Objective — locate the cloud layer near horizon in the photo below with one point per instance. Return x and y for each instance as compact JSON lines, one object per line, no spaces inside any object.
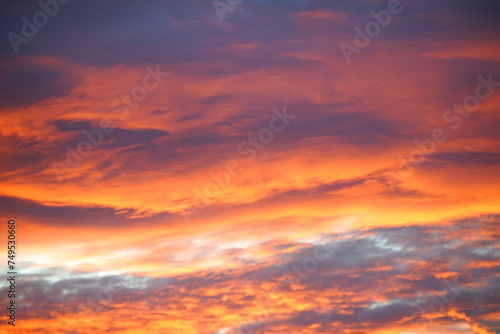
{"x":381,"y":280}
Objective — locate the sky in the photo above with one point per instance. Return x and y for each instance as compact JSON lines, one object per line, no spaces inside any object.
{"x":251,"y":166}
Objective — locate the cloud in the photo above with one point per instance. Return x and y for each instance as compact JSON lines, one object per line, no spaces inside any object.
{"x":374,"y":279}
{"x":321,"y":182}
{"x":24,"y":83}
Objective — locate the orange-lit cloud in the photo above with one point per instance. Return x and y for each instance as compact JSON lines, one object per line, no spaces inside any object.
{"x":150,"y":202}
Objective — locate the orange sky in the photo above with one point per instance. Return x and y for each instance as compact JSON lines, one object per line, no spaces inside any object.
{"x":240,"y":176}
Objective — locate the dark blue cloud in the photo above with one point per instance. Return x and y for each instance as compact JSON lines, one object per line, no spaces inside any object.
{"x":27,"y":210}
{"x":24,"y":84}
